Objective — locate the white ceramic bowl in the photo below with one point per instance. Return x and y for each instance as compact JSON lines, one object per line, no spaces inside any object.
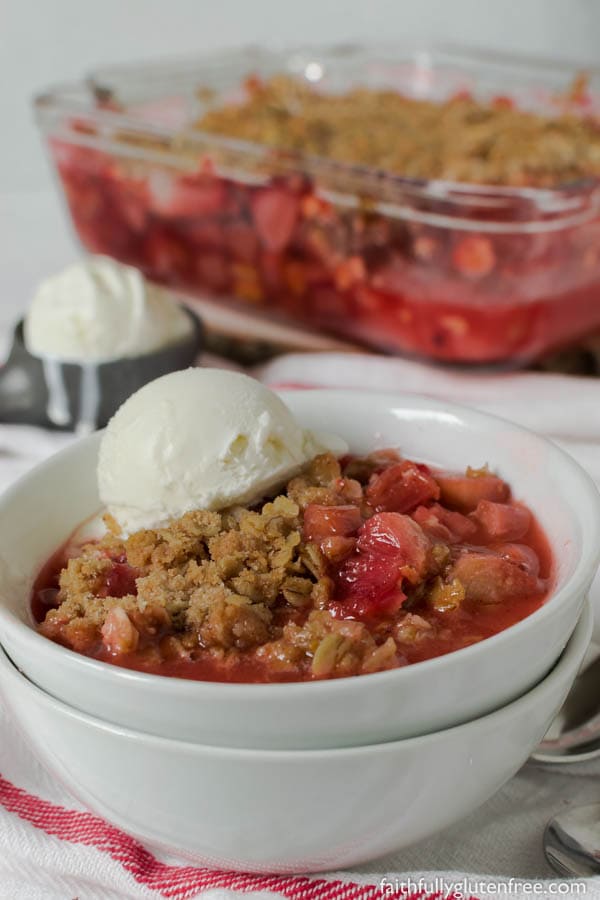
{"x":294,"y":810}
{"x":42,"y":509}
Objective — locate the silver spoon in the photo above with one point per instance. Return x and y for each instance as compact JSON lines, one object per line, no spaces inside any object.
{"x":572,"y":841}
{"x":574,"y":736}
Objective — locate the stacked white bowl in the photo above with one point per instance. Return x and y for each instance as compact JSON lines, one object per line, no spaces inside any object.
{"x":313,"y":775}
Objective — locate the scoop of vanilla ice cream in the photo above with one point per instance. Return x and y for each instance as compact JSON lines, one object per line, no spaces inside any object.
{"x":199,"y":439}
{"x":97,"y":310}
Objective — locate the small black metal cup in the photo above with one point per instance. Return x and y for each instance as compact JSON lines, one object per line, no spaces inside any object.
{"x":69,"y":396}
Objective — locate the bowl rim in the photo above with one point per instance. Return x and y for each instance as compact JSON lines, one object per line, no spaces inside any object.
{"x":574,"y":649}
{"x":588,"y":502}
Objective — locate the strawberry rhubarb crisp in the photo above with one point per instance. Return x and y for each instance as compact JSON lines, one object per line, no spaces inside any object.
{"x":461,"y":139}
{"x":358,"y":565}
{"x":459,"y":229}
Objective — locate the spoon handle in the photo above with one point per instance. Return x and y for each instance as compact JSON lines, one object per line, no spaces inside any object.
{"x":580,"y":737}
{"x":571,"y":842}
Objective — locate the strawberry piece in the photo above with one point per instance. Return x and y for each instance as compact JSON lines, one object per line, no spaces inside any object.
{"x":185,"y":196}
{"x":349,"y":272}
{"x":118,"y":633}
{"x":271,"y":270}
{"x":314,"y":207}
{"x":426,"y":517}
{"x":502,"y":522}
{"x":444,"y":524}
{"x":393,"y":536}
{"x":204,"y":234}
{"x":242,"y":241}
{"x":321,"y":522}
{"x":337,"y":548}
{"x":461,"y":96}
{"x":425,"y":248}
{"x":474,"y":256}
{"x":503,"y":101}
{"x":129,"y":201}
{"x":390,"y":548}
{"x":77,"y":162}
{"x":275,"y":212}
{"x":213,"y":271}
{"x":367,"y":588}
{"x":521,"y":555}
{"x":489,"y":578}
{"x":167,"y":258}
{"x":464,"y":492}
{"x":120,"y":581}
{"x":402,"y":487}
{"x":253,"y":84}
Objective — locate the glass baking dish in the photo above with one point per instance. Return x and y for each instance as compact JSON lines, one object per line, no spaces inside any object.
{"x":447,"y":271}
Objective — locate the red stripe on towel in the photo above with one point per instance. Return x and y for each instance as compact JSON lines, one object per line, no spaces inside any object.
{"x":181,"y":882}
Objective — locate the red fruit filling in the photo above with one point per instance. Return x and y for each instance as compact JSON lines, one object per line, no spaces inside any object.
{"x":387,"y":282}
{"x":323,"y":522}
{"x":402,"y":487}
{"x":120,"y":581}
{"x":391,"y":550}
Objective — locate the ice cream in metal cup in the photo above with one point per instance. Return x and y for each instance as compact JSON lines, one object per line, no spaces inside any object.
{"x":94,"y":334}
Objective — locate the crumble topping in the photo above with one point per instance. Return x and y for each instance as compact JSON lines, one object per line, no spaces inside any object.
{"x":214,"y":580}
{"x":461,"y":139}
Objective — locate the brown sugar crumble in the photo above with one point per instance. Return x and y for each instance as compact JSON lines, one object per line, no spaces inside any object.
{"x":460,"y":139}
{"x":215,"y":583}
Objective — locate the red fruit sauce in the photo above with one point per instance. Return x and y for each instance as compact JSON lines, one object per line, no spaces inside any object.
{"x":480,"y":296}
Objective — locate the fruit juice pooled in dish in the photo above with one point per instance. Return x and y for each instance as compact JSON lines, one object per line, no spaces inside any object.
{"x":239,"y":546}
{"x":93,"y":312}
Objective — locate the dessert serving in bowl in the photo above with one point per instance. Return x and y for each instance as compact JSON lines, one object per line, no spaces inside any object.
{"x":232,"y":808}
{"x":259,"y":582}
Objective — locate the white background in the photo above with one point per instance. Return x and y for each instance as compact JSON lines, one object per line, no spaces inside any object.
{"x":47,"y":41}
